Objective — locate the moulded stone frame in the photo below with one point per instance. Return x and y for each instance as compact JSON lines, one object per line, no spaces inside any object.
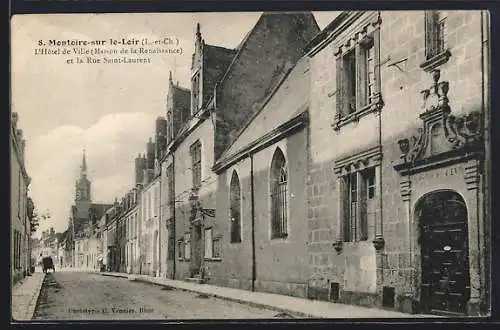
{"x":468,"y":187}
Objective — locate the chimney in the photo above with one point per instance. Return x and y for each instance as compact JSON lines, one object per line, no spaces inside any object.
{"x":161,"y":137}
{"x":139,"y":169}
{"x":150,"y":158}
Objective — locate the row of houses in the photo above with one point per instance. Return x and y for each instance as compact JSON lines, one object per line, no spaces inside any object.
{"x":349,"y":164}
{"x":21,"y":206}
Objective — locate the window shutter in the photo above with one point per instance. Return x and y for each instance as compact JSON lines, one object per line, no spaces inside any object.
{"x":339,"y":88}
{"x":361,"y":76}
{"x":344,"y":207}
{"x":362,"y":209}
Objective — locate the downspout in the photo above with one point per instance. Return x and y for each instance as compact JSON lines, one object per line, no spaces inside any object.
{"x":173,"y":221}
{"x":486,"y":189}
{"x":159,"y":226}
{"x":254,"y":273}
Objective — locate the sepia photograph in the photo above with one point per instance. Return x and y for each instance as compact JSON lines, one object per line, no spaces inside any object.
{"x":250,"y":166}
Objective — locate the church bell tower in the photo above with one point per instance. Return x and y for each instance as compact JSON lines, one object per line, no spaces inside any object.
{"x":82,"y":190}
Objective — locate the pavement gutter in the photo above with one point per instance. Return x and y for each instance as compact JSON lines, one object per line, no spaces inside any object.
{"x":35,"y":300}
{"x":215,"y":295}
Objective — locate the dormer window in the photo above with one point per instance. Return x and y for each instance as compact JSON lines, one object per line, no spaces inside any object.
{"x":195,"y":93}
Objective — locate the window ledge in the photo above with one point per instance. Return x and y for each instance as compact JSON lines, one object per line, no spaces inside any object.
{"x":213,"y":259}
{"x":281,"y":237}
{"x":375,"y":105}
{"x":435,"y":61}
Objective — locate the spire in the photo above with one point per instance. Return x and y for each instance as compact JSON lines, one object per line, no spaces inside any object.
{"x":84,"y":165}
{"x":170,"y":77}
{"x":198,"y":33}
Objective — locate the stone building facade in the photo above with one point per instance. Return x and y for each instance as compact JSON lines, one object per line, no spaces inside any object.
{"x":228,"y":88}
{"x":20,"y":224}
{"x":261,"y":201}
{"x":397,"y":178}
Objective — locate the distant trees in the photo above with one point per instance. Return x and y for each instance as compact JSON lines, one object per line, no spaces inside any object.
{"x":34,"y":217}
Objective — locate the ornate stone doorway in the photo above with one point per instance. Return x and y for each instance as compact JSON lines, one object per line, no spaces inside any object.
{"x":445,"y":285}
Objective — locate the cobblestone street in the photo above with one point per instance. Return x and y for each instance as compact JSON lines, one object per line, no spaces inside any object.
{"x":83,"y":296}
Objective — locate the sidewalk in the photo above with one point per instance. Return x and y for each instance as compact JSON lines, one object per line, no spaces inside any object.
{"x":297,"y":306}
{"x":25,"y":295}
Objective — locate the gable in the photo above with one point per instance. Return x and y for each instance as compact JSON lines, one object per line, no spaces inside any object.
{"x":275,"y":43}
{"x":289,"y":99}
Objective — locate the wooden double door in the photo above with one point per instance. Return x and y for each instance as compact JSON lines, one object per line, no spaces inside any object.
{"x":445,"y":286}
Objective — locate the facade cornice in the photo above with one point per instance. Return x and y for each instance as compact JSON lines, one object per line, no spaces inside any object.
{"x":348,"y":23}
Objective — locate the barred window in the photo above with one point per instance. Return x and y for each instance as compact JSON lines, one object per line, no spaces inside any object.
{"x":187,"y":246}
{"x":171,"y":244}
{"x":217,"y":247}
{"x":171,"y":189}
{"x":235,"y":208}
{"x":180,"y":249}
{"x":196,"y":163}
{"x":279,"y":202}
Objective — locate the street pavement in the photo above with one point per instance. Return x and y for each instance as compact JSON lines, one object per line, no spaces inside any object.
{"x":90,"y":296}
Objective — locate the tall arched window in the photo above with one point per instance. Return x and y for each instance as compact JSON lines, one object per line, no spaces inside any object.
{"x":279,"y":192}
{"x":235,"y":208}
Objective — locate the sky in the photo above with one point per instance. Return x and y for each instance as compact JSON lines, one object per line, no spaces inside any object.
{"x":108,"y":109}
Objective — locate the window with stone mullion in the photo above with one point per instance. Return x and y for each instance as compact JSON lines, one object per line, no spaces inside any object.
{"x":435,"y":33}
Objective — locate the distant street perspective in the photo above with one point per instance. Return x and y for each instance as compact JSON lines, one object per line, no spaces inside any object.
{"x":90,"y":296}
{"x":318,"y":165}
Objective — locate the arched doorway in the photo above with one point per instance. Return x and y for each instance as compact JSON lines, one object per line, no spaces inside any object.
{"x":445,"y":286}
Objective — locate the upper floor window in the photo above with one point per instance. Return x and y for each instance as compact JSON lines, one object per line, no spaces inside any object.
{"x":155,"y":202}
{"x":279,"y":196}
{"x":170,"y":180}
{"x":195,"y":151}
{"x":235,"y":208}
{"x":357,"y":78}
{"x":195,"y":93}
{"x":435,"y":33}
{"x":436,"y":52}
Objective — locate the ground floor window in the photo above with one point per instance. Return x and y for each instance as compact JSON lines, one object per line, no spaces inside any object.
{"x":360,"y":190}
{"x":180,"y":249}
{"x":216,"y":247}
{"x":208,"y":243}
{"x":187,"y":246}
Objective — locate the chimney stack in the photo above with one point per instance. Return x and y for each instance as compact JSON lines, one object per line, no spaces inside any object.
{"x":139,"y":169}
{"x":150,"y":158}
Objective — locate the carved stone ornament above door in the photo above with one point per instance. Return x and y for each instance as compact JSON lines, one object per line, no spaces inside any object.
{"x":442,"y":136}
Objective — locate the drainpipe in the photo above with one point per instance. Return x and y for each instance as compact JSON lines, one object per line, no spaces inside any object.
{"x":174,"y":260}
{"x":486,"y":188}
{"x":254,"y":273}
{"x":159,"y":226}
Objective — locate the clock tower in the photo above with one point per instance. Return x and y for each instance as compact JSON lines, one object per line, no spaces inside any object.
{"x":82,"y":191}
